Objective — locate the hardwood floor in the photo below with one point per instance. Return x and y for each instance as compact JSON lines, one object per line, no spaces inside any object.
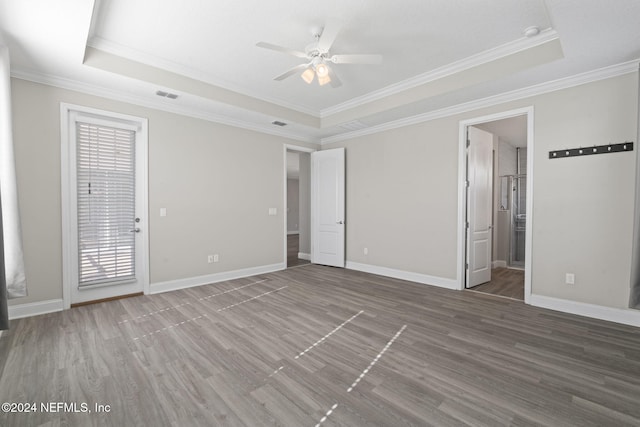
{"x":323,"y":346}
{"x":293,"y":247}
{"x":505,"y":282}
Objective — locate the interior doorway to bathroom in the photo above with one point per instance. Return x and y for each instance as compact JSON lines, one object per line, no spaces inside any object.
{"x":508,"y":202}
{"x":298,"y":208}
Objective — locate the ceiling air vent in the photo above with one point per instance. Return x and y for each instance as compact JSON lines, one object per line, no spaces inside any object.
{"x":278,"y":123}
{"x":166,"y":94}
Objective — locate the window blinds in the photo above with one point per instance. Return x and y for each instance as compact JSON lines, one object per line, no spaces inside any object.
{"x":106,"y":204}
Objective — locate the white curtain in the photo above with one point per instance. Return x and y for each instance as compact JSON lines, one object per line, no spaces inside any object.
{"x":4,"y":310}
{"x":12,"y":236}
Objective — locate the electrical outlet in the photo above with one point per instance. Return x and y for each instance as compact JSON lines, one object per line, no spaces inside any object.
{"x":210,"y":259}
{"x":216,"y":258}
{"x":570,"y":279}
{"x":366,"y":251}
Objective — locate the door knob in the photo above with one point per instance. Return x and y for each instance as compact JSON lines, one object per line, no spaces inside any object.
{"x":339,"y":222}
{"x":135,"y":230}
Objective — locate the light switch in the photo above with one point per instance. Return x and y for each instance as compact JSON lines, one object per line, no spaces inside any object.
{"x":163,"y":211}
{"x":273,"y":211}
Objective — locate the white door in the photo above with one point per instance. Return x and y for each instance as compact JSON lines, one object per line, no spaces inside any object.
{"x":479,"y":206}
{"x":327,"y":207}
{"x":107,"y":162}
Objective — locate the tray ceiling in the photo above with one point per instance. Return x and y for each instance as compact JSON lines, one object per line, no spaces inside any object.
{"x":436,"y":54}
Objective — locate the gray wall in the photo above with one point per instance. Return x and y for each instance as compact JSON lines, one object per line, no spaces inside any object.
{"x":505,"y":156}
{"x":293,"y":205}
{"x":305,"y":203}
{"x":402,"y":187}
{"x":402,"y":193}
{"x":217,"y":183}
{"x":402,"y":198}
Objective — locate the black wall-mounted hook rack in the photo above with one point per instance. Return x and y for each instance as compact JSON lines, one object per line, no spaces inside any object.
{"x":596,"y":149}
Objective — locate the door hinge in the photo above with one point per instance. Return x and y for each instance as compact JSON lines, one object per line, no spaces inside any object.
{"x":467,"y":266}
{"x":468,"y":143}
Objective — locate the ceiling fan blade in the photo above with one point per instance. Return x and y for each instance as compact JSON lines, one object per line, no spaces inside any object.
{"x":328,"y":36}
{"x":277,"y":48}
{"x":291,"y":72}
{"x":335,"y":81}
{"x":356,"y":59}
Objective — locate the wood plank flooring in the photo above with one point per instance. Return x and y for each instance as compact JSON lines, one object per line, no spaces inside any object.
{"x":315,"y":345}
{"x":505,"y":282}
{"x":293,"y":247}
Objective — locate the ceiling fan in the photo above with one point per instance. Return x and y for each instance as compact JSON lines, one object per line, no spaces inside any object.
{"x":318,"y":58}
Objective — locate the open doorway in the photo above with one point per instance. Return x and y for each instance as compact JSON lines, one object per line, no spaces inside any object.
{"x":497,"y":214}
{"x":298,"y":208}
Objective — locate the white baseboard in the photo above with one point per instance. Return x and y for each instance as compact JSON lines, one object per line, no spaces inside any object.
{"x":172,"y":285}
{"x":289,"y":233}
{"x":499,"y":264}
{"x":19,"y":311}
{"x":302,"y":255}
{"x":404,"y":275}
{"x":626,"y":316}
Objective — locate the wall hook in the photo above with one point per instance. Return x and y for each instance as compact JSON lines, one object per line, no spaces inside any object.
{"x":596,"y":149}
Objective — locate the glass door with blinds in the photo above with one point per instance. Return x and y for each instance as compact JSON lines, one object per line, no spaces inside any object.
{"x":107,"y":209}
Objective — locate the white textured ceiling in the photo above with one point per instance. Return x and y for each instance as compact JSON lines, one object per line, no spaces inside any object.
{"x":216,"y":40}
{"x":437,"y":54}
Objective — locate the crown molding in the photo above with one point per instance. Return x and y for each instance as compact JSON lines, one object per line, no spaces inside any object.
{"x":539,"y":89}
{"x":490,"y":55}
{"x":95,"y":90}
{"x":164,"y":64}
{"x":564,"y":83}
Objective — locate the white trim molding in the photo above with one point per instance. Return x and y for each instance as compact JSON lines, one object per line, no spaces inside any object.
{"x":410,"y":276}
{"x":304,"y":256}
{"x":539,"y":89}
{"x":515,"y":95}
{"x":156,"y":104}
{"x":18,"y":311}
{"x":489,"y":55}
{"x":625,"y":316}
{"x":189,"y":282}
{"x":165,"y":64}
{"x":499,"y":264}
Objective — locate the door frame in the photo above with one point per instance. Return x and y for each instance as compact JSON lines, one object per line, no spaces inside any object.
{"x":299,"y":149}
{"x":462,"y":193}
{"x":68,"y":188}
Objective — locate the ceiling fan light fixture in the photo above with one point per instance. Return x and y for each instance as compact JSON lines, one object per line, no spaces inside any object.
{"x":322,"y":70}
{"x":323,"y":80}
{"x":308,"y":75}
{"x":320,"y":60}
